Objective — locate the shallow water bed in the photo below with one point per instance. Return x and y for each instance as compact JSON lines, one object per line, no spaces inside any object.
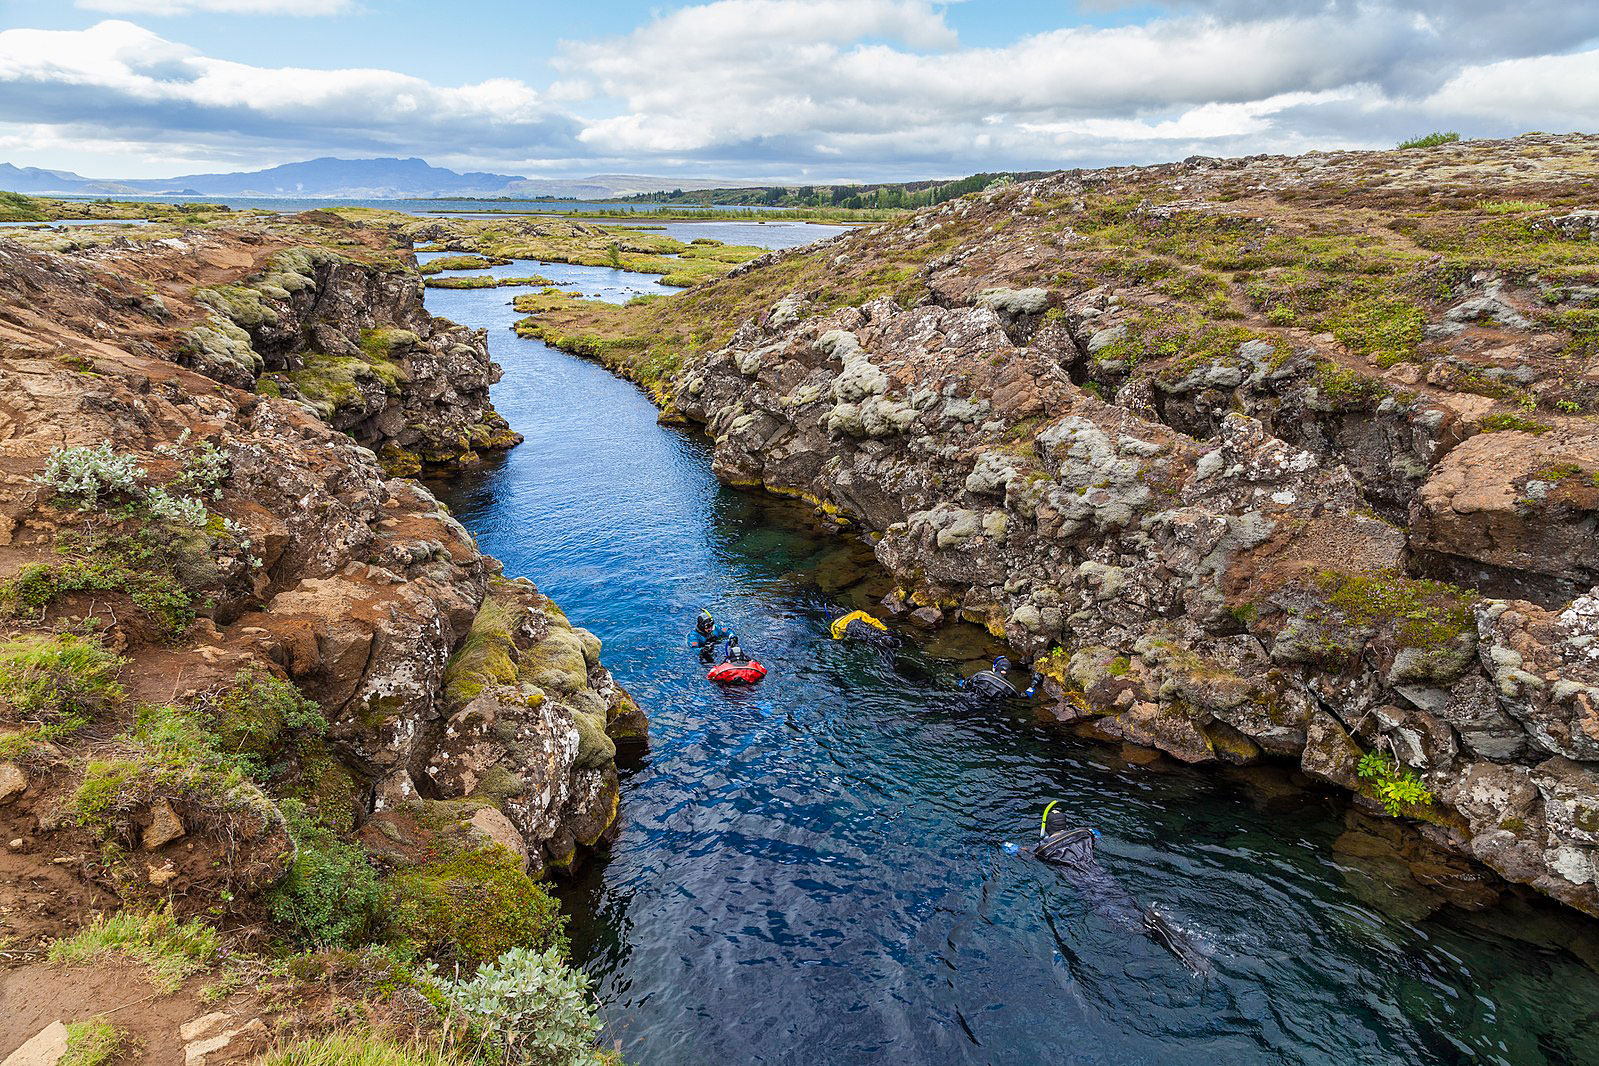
{"x":812,"y":870}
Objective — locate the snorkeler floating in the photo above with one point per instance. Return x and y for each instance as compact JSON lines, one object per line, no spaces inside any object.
{"x":736,"y":668}
{"x":860,"y":626}
{"x":995,"y":683}
{"x":1072,"y":849}
{"x":707,"y":635}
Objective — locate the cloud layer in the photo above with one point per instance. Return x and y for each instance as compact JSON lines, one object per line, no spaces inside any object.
{"x":844,"y":87}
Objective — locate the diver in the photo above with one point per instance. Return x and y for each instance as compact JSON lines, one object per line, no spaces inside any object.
{"x":1072,"y":849}
{"x":736,"y":668}
{"x":860,"y":626}
{"x":707,"y":635}
{"x":995,"y":683}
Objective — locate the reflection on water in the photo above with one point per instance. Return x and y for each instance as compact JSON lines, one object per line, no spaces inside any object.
{"x":812,"y":870}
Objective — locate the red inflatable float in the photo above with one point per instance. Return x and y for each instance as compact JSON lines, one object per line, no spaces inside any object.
{"x":731,"y":673}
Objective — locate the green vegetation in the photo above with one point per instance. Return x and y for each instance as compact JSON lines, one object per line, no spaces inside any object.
{"x":1431,"y":140}
{"x":461,"y":262}
{"x":530,"y":1008}
{"x":259,"y":719}
{"x":1399,"y":791}
{"x":471,"y":907}
{"x":50,"y":678}
{"x":879,"y":197}
{"x":360,"y":1047}
{"x":333,"y":382}
{"x":1424,"y":614}
{"x":330,"y":896}
{"x":94,"y":1042}
{"x":149,"y":567}
{"x":170,"y":950}
{"x":532,"y":282}
{"x":484,"y":657}
{"x":167,"y":754}
{"x":1511,"y":422}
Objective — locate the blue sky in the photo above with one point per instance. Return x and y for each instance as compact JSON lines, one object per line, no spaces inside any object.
{"x":812,"y":90}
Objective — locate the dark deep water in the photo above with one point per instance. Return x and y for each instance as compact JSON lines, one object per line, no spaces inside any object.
{"x":812,"y":871}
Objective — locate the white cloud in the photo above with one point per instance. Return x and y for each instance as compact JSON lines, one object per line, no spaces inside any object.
{"x":877,"y":88}
{"x":1553,"y":92}
{"x":220,"y":7}
{"x":118,"y":79}
{"x":888,"y":80}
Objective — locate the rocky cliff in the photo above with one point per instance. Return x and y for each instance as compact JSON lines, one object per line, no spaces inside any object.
{"x":1257,"y":459}
{"x":231,"y":638}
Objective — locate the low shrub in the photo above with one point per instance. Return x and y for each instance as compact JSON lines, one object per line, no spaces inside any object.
{"x":530,"y":1008}
{"x":1431,"y":140}
{"x":330,"y":896}
{"x":83,"y":475}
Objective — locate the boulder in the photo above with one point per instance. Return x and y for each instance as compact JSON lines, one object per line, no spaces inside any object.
{"x":165,"y":826}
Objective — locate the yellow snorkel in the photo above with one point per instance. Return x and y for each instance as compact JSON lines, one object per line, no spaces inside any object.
{"x":1043,"y":823}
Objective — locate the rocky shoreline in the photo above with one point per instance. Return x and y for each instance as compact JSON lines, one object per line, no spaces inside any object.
{"x":247,"y":661}
{"x":1250,"y":479}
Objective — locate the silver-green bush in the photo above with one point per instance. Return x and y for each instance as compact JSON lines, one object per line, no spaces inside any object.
{"x":533,"y":1008}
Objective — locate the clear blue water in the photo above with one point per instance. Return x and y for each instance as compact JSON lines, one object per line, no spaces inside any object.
{"x":813,"y":870}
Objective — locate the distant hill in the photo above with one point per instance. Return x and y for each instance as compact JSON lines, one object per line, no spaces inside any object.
{"x":347,"y":179}
{"x":34,"y":180}
{"x":327,"y":176}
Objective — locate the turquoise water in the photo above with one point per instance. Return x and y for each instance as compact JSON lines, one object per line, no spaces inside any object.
{"x":813,"y":870}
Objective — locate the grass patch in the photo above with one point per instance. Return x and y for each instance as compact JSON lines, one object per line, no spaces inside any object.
{"x":169,"y":950}
{"x":460,"y":262}
{"x":50,"y":678}
{"x":92,"y":1043}
{"x":360,"y":1048}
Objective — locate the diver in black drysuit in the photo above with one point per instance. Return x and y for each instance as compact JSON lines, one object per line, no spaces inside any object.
{"x":995,"y":683}
{"x":1072,"y":849}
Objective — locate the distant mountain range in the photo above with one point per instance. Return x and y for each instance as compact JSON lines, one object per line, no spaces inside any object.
{"x":353,"y":179}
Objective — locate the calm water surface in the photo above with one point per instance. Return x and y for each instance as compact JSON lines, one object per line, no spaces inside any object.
{"x":812,"y":871}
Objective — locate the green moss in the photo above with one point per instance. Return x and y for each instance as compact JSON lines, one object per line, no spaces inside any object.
{"x":1385,"y":329}
{"x":1423,"y":614}
{"x":258,"y":717}
{"x":485,"y":656}
{"x":332,"y":382}
{"x":1342,"y":387}
{"x":1504,"y":423}
{"x":471,"y":907}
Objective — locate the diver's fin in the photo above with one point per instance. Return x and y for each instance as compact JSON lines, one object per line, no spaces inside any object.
{"x":1175,"y":941}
